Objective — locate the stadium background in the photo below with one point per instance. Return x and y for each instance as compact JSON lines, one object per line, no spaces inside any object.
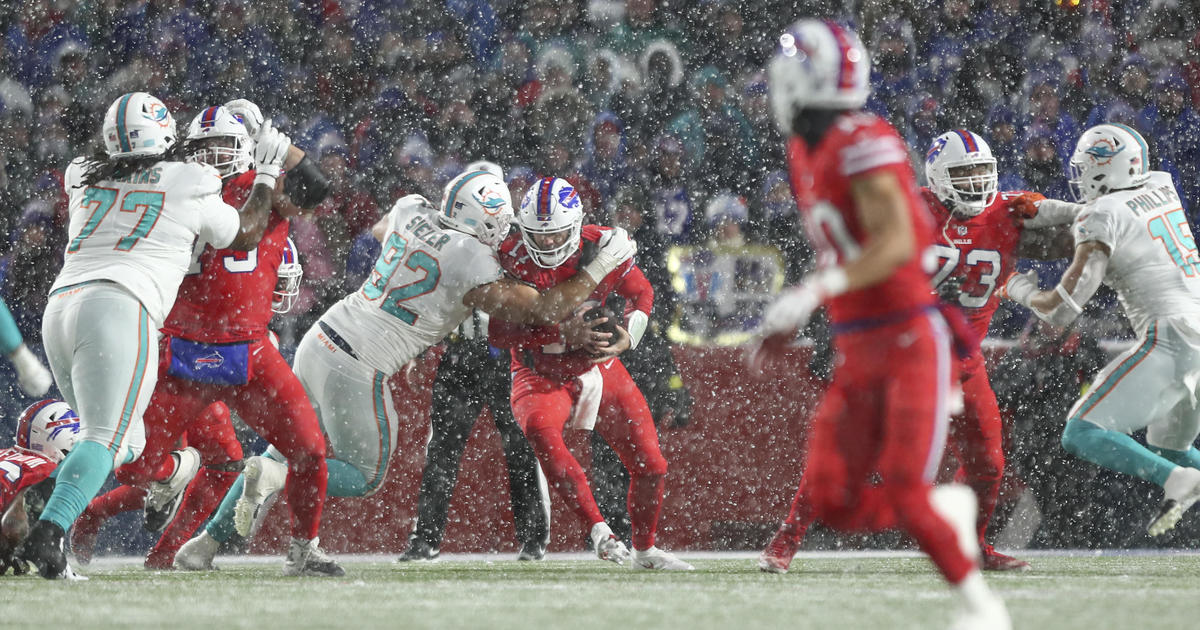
{"x":657,"y":111}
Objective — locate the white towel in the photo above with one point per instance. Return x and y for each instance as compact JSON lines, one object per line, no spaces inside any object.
{"x":587,"y":406}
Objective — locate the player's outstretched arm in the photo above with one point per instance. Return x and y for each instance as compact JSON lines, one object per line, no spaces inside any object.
{"x":1064,"y":303}
{"x":519,"y":303}
{"x":270,"y":151}
{"x":883,"y":212}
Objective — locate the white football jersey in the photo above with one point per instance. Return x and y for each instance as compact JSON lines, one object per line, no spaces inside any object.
{"x":1154,"y":267}
{"x":140,"y":233}
{"x":414,"y":295}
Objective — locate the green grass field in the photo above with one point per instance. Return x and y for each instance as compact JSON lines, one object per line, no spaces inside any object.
{"x":825,"y":591}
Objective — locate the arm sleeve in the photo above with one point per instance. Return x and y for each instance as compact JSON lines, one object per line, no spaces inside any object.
{"x":1053,"y":212}
{"x":508,"y":335}
{"x":636,"y":289}
{"x":306,"y":184}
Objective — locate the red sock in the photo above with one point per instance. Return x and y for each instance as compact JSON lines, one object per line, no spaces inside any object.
{"x":305,"y":489}
{"x":645,"y":504}
{"x":115,"y":501}
{"x":800,"y":517}
{"x":202,"y":497}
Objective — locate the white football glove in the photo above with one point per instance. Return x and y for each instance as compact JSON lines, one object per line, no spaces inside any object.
{"x":251,"y":116}
{"x":791,"y":310}
{"x":270,"y":150}
{"x":32,"y":376}
{"x":615,"y":248}
{"x":1021,"y":287}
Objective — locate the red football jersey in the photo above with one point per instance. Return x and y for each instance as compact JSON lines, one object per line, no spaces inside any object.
{"x":527,"y":342}
{"x":226,"y":296}
{"x":20,"y":469}
{"x":982,"y":249}
{"x":858,"y":144}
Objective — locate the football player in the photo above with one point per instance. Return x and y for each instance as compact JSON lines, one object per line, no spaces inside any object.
{"x":46,"y":431}
{"x":1132,"y":234}
{"x":118,"y":282}
{"x":436,"y":265}
{"x":216,"y":346}
{"x":557,"y":383}
{"x":877,"y":436}
{"x":983,"y":232}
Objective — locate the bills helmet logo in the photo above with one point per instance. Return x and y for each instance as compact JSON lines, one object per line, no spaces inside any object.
{"x":567,"y":197}
{"x":935,"y":149}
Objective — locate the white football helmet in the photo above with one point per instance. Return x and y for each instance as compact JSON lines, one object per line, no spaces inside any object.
{"x":49,"y":427}
{"x":478,"y":203}
{"x":485,"y":165}
{"x":138,"y":124}
{"x":962,"y":172}
{"x":551,"y":221}
{"x":1108,"y":157}
{"x":233,"y":154}
{"x":820,"y":65}
{"x":290,"y":273}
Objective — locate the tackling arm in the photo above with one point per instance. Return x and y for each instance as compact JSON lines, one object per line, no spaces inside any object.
{"x":1063,"y":304}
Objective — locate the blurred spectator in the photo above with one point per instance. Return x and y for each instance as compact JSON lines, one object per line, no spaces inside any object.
{"x":1131,"y":91}
{"x":604,"y":163}
{"x":1003,"y":134}
{"x":924,"y":123}
{"x":716,"y":135}
{"x":640,"y":26}
{"x":664,"y":95}
{"x":1041,"y":168}
{"x":948,"y":47}
{"x":670,"y":192}
{"x":1172,"y":128}
{"x":1044,"y":111}
{"x":893,"y":56}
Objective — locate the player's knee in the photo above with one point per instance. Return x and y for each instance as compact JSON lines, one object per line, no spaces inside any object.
{"x":650,"y":465}
{"x":1076,"y":435}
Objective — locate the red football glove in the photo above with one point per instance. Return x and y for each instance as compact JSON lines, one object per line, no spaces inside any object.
{"x":1025,"y":205}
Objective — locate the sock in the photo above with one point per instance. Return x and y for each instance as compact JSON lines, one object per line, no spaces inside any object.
{"x":80,"y":476}
{"x":345,"y":480}
{"x":800,"y":516}
{"x":645,"y":504}
{"x":1114,"y":451}
{"x":974,"y":591}
{"x":305,"y":490}
{"x":115,"y":501}
{"x":221,"y":526}
{"x":202,"y":495}
{"x":1189,"y":458}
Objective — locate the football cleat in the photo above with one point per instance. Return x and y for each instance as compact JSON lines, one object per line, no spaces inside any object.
{"x":991,"y":616}
{"x":419,"y":551}
{"x":777,"y":557}
{"x":264,"y":477}
{"x":995,"y":561}
{"x":163,"y":498}
{"x":608,"y":547}
{"x":1170,"y":512}
{"x":956,"y":503}
{"x":532,"y":551}
{"x":305,"y":559}
{"x":657,"y":559}
{"x":197,"y":554}
{"x":43,"y":548}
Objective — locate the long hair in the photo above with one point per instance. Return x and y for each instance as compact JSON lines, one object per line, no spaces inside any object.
{"x":100,"y":167}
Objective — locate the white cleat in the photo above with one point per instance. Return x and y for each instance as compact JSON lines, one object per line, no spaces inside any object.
{"x":264,"y":477}
{"x":657,"y":559}
{"x":607,"y":546}
{"x":988,"y":615}
{"x":197,"y":554}
{"x":956,"y":503}
{"x":305,"y":558}
{"x":1182,"y":491}
{"x":163,"y":498}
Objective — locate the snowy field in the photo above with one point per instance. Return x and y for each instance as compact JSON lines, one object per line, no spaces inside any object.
{"x":893,"y":591}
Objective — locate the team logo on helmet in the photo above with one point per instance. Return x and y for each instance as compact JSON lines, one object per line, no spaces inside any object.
{"x":1103,"y":152}
{"x":935,"y":149}
{"x":158,"y":113}
{"x":491,"y":201}
{"x":567,"y":197}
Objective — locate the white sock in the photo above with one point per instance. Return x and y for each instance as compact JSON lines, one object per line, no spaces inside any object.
{"x":974,"y":591}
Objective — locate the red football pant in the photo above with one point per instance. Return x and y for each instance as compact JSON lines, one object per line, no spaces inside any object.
{"x":542,"y":408}
{"x":878,"y":435}
{"x":977,"y":440}
{"x":276,"y":406}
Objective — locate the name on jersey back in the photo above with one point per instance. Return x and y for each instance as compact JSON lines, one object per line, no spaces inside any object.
{"x":421,"y":229}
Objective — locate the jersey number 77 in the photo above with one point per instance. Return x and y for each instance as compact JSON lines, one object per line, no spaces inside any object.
{"x":147,"y":202}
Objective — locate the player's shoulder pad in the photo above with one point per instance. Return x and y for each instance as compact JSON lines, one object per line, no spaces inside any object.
{"x":412,"y":203}
{"x":203,"y":178}
{"x":73,"y":176}
{"x":1159,"y":178}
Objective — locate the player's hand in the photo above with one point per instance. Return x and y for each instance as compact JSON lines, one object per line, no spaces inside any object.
{"x":32,"y":376}
{"x":616,"y":247}
{"x":950,"y":289}
{"x":270,"y":150}
{"x":790,"y":311}
{"x":1020,"y":287}
{"x":580,"y":334}
{"x":764,"y":349}
{"x":1025,"y":205}
{"x":616,"y":346}
{"x":248,"y":112}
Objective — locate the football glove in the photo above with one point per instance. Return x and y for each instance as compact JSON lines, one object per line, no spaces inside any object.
{"x":270,"y":150}
{"x":615,"y":248}
{"x":1020,"y":287}
{"x":248,"y":113}
{"x":1025,"y":205}
{"x":791,"y":310}
{"x":950,"y":289}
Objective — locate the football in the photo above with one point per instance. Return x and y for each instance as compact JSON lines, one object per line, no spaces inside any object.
{"x":596,"y":312}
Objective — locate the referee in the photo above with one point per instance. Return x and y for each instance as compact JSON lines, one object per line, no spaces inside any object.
{"x":473,"y":374}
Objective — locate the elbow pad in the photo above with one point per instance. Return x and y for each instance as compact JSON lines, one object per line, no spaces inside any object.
{"x":1073,"y":301}
{"x":306,"y":184}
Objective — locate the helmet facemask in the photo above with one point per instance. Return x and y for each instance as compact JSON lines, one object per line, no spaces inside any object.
{"x":970,"y":187}
{"x":551,"y":248}
{"x":230,"y":155}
